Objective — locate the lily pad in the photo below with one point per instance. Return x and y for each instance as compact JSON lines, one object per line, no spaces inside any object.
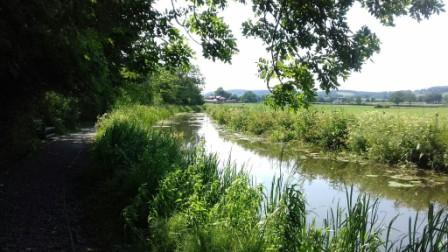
{"x":396,"y":184}
{"x":405,"y":177}
{"x":161,"y":126}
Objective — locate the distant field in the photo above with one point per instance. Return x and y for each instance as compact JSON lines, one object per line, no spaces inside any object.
{"x":424,"y":110}
{"x":355,"y":109}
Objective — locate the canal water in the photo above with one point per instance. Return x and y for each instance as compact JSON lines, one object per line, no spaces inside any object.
{"x":324,"y":181}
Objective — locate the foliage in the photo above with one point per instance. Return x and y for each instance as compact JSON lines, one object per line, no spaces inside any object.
{"x":385,"y":137}
{"x":59,"y":111}
{"x":221,"y":92}
{"x":433,"y":98}
{"x":312,"y":43}
{"x":445,"y":98}
{"x":181,"y":87}
{"x":402,"y":96}
{"x":129,"y":152}
{"x":249,"y":97}
{"x":391,"y":138}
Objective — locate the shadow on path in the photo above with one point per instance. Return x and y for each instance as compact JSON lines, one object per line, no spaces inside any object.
{"x":41,"y":198}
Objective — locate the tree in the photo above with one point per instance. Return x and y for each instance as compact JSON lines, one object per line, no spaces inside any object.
{"x":221,"y":92}
{"x":84,"y":47}
{"x":249,"y":97}
{"x":397,"y":97}
{"x":310,"y":42}
{"x":234,"y":97}
{"x":409,"y":96}
{"x":358,"y":100}
{"x":445,"y":98}
{"x":433,"y":98}
{"x":179,"y":86}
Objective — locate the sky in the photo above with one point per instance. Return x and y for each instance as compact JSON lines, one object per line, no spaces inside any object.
{"x":413,"y":55}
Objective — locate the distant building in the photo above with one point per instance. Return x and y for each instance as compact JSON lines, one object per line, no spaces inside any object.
{"x":338,"y":100}
{"x":215,"y":99}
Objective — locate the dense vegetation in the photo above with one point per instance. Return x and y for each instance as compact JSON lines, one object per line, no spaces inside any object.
{"x":386,"y":136}
{"x":177,"y":198}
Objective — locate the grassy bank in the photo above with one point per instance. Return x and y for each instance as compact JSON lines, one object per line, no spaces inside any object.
{"x":176,"y":198}
{"x":385,"y":135}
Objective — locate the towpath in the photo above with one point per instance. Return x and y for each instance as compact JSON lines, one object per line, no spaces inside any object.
{"x":41,"y":198}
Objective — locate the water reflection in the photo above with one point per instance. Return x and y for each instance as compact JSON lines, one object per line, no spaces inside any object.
{"x":324,"y":181}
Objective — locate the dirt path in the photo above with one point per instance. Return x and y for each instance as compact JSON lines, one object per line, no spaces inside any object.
{"x":41,"y":200}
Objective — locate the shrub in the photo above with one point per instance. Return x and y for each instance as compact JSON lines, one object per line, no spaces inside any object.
{"x":59,"y":111}
{"x":381,"y":106}
{"x":393,"y":139}
{"x":334,"y":131}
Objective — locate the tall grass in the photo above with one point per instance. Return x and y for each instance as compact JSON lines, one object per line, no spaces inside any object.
{"x":130,"y":151}
{"x":206,"y":208}
{"x":131,"y":155}
{"x":386,"y":137}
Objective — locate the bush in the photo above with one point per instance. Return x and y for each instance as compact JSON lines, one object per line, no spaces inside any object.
{"x":393,"y":139}
{"x":334,"y":131}
{"x":328,"y":130}
{"x":59,"y":111}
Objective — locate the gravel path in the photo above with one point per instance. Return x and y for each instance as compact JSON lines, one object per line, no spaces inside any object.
{"x":41,"y":198}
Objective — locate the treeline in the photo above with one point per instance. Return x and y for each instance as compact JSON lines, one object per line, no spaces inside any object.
{"x":247,"y":97}
{"x":397,"y":97}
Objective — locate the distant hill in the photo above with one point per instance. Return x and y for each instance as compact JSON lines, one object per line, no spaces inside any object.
{"x":383,"y":95}
{"x":353,"y":93}
{"x":240,"y":92}
{"x":436,"y":89}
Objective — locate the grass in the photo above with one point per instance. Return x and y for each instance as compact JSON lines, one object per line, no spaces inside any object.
{"x":129,"y":152}
{"x":177,"y":198}
{"x":417,"y":136}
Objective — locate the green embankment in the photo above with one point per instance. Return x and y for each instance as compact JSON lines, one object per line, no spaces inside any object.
{"x":175,"y":198}
{"x":398,"y":135}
